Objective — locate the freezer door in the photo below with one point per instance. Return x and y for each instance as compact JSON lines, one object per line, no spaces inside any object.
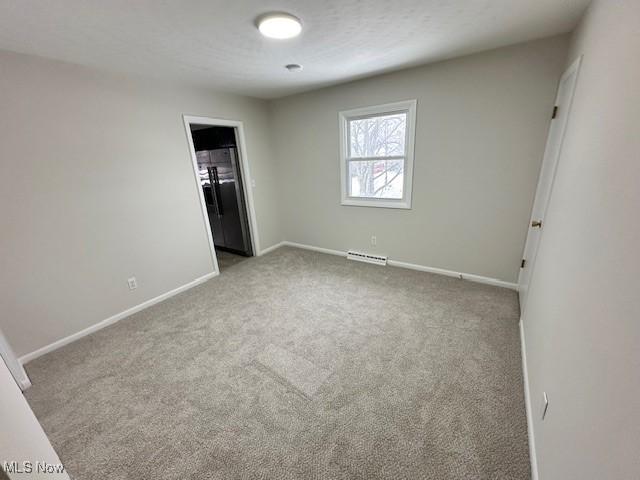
{"x":210,"y":190}
{"x":233,"y":211}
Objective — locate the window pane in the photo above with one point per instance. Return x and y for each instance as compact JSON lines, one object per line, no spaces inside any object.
{"x":376,"y":178}
{"x":381,"y":136}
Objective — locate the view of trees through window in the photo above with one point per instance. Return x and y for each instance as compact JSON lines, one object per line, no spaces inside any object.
{"x":376,"y":156}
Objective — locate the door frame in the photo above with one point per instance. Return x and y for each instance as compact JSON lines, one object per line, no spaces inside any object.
{"x":247,"y":179}
{"x":574,"y":68}
{"x":13,"y":364}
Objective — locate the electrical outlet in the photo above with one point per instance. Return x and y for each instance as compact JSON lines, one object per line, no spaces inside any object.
{"x":133,"y":283}
{"x":253,"y":183}
{"x":545,"y":404}
{"x":374,"y":240}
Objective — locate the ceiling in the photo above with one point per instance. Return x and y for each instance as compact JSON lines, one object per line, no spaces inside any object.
{"x":214,"y":43}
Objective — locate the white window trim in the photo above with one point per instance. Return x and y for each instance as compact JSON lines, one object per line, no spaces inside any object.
{"x":408,"y":106}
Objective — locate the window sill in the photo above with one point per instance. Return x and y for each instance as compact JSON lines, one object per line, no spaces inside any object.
{"x":377,"y":203}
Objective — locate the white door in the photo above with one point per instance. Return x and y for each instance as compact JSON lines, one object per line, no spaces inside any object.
{"x":22,"y":438}
{"x":547,"y":174}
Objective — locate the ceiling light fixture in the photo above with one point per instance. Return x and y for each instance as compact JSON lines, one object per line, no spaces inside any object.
{"x":279,"y":25}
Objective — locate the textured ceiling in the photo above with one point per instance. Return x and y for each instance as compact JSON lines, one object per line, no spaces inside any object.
{"x":215,"y":44}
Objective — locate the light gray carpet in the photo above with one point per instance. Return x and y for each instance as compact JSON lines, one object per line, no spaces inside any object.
{"x":227,"y":260}
{"x":296,"y":365}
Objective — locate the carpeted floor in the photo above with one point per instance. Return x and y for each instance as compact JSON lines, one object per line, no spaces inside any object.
{"x":227,"y":259}
{"x":296,"y":365}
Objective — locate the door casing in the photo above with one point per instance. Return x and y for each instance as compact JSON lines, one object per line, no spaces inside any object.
{"x":238,"y":126}
{"x":13,"y":364}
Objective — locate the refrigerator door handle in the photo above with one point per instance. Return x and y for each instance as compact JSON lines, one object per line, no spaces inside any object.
{"x":217,"y":191}
{"x":214,"y":196}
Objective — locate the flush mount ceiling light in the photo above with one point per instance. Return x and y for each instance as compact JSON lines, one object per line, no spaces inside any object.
{"x":279,"y":25}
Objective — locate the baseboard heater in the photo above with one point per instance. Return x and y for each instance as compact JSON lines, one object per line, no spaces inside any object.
{"x":367,"y":258}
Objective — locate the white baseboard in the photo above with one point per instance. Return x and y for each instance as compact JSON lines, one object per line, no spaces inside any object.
{"x":314,"y":248}
{"x":24,"y":383}
{"x":113,"y":319}
{"x":394,"y":263}
{"x":527,"y":401}
{"x":270,"y":249}
{"x":450,"y":273}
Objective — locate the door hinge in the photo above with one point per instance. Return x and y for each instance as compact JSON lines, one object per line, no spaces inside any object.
{"x":523,"y":263}
{"x":555,"y":112}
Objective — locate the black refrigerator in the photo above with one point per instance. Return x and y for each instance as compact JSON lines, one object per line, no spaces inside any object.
{"x":220,"y":178}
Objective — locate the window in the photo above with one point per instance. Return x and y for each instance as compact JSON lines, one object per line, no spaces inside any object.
{"x":376,"y":155}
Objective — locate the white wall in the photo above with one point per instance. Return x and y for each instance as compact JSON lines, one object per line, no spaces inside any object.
{"x":21,"y":436}
{"x":482,"y":122}
{"x":582,"y":322}
{"x":96,"y":185}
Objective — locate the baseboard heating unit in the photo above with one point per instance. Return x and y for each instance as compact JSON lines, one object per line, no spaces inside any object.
{"x":367,"y":258}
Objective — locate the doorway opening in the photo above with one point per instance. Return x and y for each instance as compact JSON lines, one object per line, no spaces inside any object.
{"x":224,"y":186}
